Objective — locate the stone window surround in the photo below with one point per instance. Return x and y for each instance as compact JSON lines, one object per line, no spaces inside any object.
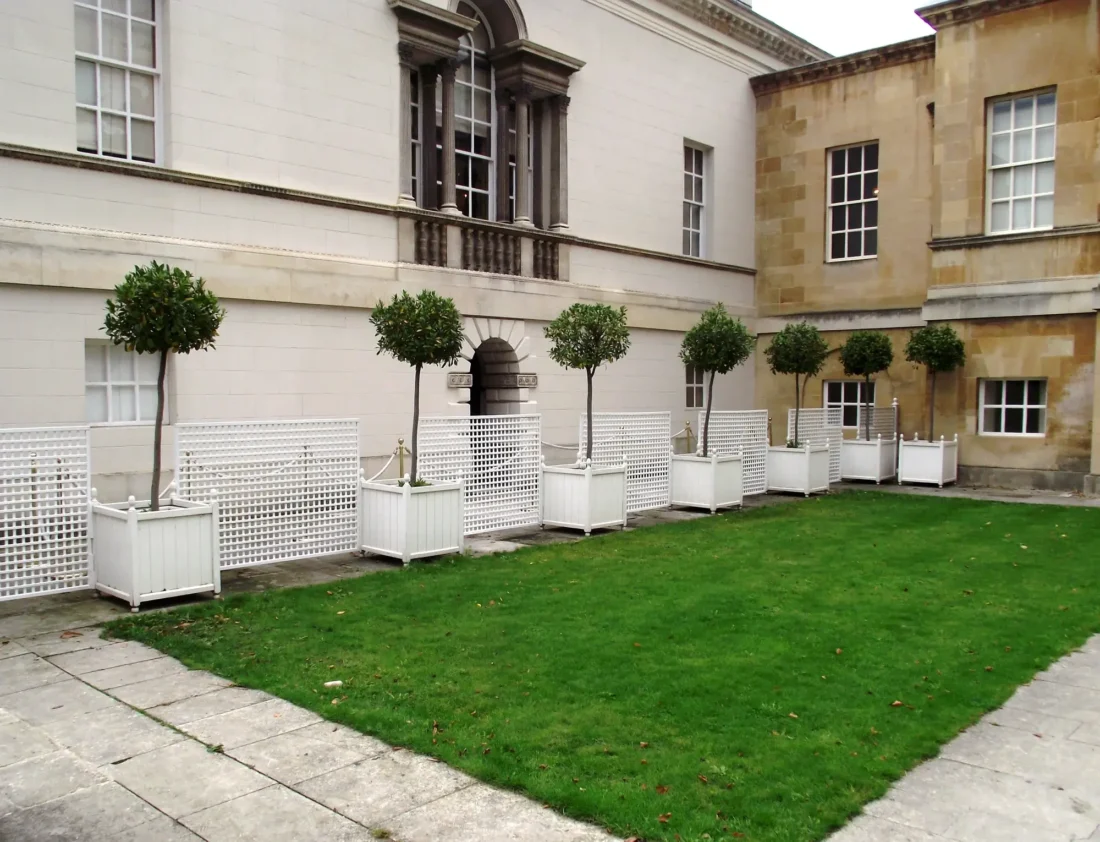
{"x":1025,"y":406}
{"x":530,"y":78}
{"x":844,"y":401}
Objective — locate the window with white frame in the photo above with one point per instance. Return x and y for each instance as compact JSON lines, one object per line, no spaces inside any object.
{"x":694,"y":201}
{"x":120,"y":386}
{"x":414,"y":128}
{"x":1021,"y":163}
{"x":1013,"y":407}
{"x":849,"y":395}
{"x":853,"y":202}
{"x":116,"y":78}
{"x":696,"y":390}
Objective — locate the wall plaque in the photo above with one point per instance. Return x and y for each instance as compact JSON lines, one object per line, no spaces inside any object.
{"x":457,"y":380}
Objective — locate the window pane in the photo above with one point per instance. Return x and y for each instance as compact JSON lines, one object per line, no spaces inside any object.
{"x":833,"y":391}
{"x":123,"y":404}
{"x":1001,"y":149}
{"x":851,"y":415}
{"x":86,"y":131}
{"x":1000,"y":217}
{"x":687,"y":242}
{"x":147,"y":366}
{"x":689,"y":159}
{"x":870,"y":157}
{"x":851,"y":392}
{"x":698,"y":158}
{"x":687,"y":215}
{"x":696,"y":245}
{"x":1021,"y":214}
{"x":87,"y":30}
{"x":870,"y":214}
{"x":854,"y":188}
{"x":869,"y":388}
{"x":697,"y":217}
{"x":148,"y":403}
{"x":1014,"y":392}
{"x":482,"y":106}
{"x":115,"y":40}
{"x":1044,"y":142}
{"x":141,"y":94}
{"x":1044,"y":212}
{"x":1002,"y":116}
{"x":1025,"y":115}
{"x":1002,"y":184}
{"x":689,"y":186}
{"x":870,"y":243}
{"x":838,"y":190}
{"x":112,"y":88}
{"x":1013,"y":420}
{"x":855,"y":244}
{"x":993,"y":391}
{"x":95,"y":404}
{"x":838,"y":162}
{"x":85,"y":82}
{"x":855,"y":216}
{"x":95,"y":363}
{"x":1044,"y":177}
{"x":839,"y":218}
{"x":1036,"y":420}
{"x":142,"y":9}
{"x":991,"y":421}
{"x":121,"y":363}
{"x":870,"y":185}
{"x":698,"y":189}
{"x":113,"y":5}
{"x":689,"y":397}
{"x":1047,"y":109}
{"x":144,"y":45}
{"x":1023,"y":181}
{"x":837,"y":250}
{"x":1021,"y":147}
{"x":114,"y":135}
{"x":463,"y":101}
{"x":855,"y":159}
{"x":481,"y":206}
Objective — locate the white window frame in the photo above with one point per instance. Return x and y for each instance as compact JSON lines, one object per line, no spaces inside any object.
{"x":1034,"y":162}
{"x":695,"y":381}
{"x":1002,"y":406}
{"x":112,"y":385}
{"x":864,"y":201}
{"x":695,"y":199}
{"x":99,"y":60}
{"x":844,"y":402}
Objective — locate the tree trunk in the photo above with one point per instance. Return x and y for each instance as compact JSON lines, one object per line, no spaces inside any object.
{"x":797,"y":407}
{"x":706,"y":418}
{"x":154,"y":494}
{"x":588,"y":449}
{"x":415,"y":449}
{"x":866,"y":406}
{"x":932,"y":409}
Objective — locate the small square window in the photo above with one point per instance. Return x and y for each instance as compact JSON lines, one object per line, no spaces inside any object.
{"x":849,"y":396}
{"x":694,"y":378}
{"x":1012,"y":407}
{"x":120,"y":386}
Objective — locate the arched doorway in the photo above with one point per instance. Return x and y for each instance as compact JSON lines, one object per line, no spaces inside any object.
{"x":493,"y":370}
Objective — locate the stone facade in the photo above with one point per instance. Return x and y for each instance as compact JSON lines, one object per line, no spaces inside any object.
{"x":1023,"y":302}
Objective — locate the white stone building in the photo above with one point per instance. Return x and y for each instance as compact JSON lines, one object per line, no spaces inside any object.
{"x":274,"y":148}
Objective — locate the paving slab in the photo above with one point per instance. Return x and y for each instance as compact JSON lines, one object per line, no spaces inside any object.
{"x":480,"y":813}
{"x":9,"y":649}
{"x":376,"y":790}
{"x":171,"y":687}
{"x":1055,"y":699}
{"x":133,"y":673}
{"x":976,"y":825}
{"x":1057,"y":727}
{"x":97,"y":814}
{"x":117,"y":654}
{"x":25,"y":671}
{"x":346,"y":738}
{"x":20,"y":741}
{"x":46,"y":777}
{"x":68,"y":640}
{"x":45,"y":614}
{"x":207,"y":704}
{"x":275,"y":814}
{"x":292,"y":757}
{"x":60,"y":700}
{"x":1052,"y":761}
{"x":250,"y":724}
{"x":160,"y":829}
{"x":110,"y":735}
{"x":186,"y":777}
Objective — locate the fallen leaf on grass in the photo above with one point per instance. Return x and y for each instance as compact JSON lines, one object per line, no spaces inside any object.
{"x":70,"y":634}
{"x":664,"y":817}
{"x":338,"y":613}
{"x":703,"y":779}
{"x":662,"y":790}
{"x":793,"y":715}
{"x":895,"y":704}
{"x":644,"y":745}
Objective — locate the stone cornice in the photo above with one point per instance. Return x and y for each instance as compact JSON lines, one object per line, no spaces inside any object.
{"x":973,"y":241}
{"x":427,"y":33}
{"x":963,"y":11}
{"x":755,"y":30}
{"x":521,"y":63}
{"x":892,"y":55}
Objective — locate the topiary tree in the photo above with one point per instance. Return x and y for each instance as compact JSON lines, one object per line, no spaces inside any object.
{"x":420,"y":331}
{"x":717,"y":344}
{"x":866,"y":353}
{"x":797,"y":349}
{"x":161,"y":310}
{"x":938,"y":348}
{"x":587,"y":336}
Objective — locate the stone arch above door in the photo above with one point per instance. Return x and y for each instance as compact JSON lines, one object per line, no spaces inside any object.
{"x":507,"y":346}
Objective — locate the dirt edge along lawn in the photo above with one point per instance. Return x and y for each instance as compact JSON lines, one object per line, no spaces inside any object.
{"x":757,"y":675}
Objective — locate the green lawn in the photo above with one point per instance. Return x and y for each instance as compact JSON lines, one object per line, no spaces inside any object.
{"x":754,"y":676}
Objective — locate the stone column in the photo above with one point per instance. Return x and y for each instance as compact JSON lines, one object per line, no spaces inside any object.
{"x":523,"y":160}
{"x":559,"y":164}
{"x":447,"y":70}
{"x":503,"y":101}
{"x":405,"y":195}
{"x":429,"y":192}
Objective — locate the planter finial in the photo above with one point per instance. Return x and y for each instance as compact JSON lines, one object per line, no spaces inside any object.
{"x":131,"y":503}
{"x":95,"y":495}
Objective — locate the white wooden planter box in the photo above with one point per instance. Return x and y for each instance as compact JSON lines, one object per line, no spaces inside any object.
{"x":399,"y":520}
{"x":931,"y":462}
{"x":802,"y":470}
{"x":873,"y":460}
{"x":583,"y":498}
{"x":707,"y":482}
{"x":140,"y":556}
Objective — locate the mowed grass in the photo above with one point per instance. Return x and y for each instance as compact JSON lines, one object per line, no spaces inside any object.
{"x":754,"y":676}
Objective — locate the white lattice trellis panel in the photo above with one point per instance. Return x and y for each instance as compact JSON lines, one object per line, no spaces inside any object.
{"x":500,"y":458}
{"x":44,"y":491}
{"x":884,"y":422}
{"x":286,"y":489}
{"x":643,"y":440}
{"x":819,"y":427}
{"x":745,"y":431}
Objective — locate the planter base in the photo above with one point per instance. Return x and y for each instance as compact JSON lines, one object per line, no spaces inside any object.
{"x":707,"y":482}
{"x":584,"y":498}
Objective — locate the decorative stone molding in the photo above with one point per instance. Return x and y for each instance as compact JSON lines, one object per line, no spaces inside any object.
{"x":892,"y":55}
{"x":525,"y":68}
{"x":427,"y":33}
{"x":750,"y":28}
{"x":954,"y":12}
{"x":479,"y":330}
{"x":1013,"y":299}
{"x":845,"y":320}
{"x":972,"y":241}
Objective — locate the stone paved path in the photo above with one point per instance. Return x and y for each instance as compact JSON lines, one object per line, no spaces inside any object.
{"x":103,"y":740}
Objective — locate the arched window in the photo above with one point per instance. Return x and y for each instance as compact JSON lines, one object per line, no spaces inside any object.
{"x":474,"y":118}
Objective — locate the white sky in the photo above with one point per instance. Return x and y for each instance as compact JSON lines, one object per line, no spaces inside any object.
{"x":847,"y":26}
